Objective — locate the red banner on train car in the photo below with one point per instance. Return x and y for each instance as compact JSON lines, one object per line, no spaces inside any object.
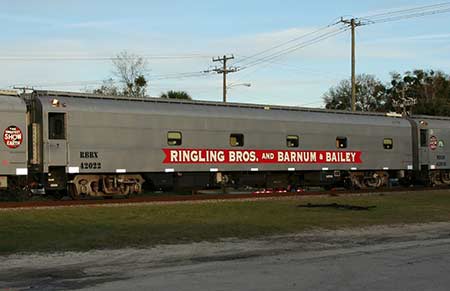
{"x":222,"y":156}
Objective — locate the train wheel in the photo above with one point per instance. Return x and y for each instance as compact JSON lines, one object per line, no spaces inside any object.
{"x":435,"y":178}
{"x":377,"y":180}
{"x":445,"y":177}
{"x":137,"y":188}
{"x":124,"y":189}
{"x":357,"y":180}
{"x":73,"y":192}
{"x":374,"y":182}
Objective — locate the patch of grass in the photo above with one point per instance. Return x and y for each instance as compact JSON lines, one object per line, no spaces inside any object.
{"x":86,"y":228}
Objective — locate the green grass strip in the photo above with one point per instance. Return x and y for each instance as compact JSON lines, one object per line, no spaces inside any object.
{"x":87,"y":228}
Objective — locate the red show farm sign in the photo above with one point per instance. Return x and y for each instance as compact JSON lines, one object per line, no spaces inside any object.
{"x":12,"y":137}
{"x":222,"y":156}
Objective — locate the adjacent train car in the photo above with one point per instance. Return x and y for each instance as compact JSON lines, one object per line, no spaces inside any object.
{"x":111,"y":145}
{"x":13,"y":148}
{"x":432,"y":154}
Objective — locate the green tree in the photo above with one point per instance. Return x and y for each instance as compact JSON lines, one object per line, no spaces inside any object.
{"x":370,"y":95}
{"x":428,"y":92}
{"x":176,"y":95}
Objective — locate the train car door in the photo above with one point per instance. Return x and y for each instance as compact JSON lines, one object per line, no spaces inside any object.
{"x":57,"y":139}
{"x":424,"y":149}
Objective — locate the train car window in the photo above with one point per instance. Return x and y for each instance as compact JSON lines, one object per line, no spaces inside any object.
{"x":423,"y":138}
{"x":388,"y":143}
{"x":56,"y":126}
{"x":236,"y":140}
{"x":174,"y":138}
{"x":292,"y":141}
{"x":341,"y":142}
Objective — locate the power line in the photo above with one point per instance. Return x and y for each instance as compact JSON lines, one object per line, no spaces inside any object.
{"x":401,"y":14}
{"x":301,"y":69}
{"x":178,"y":75}
{"x":387,"y":17}
{"x":97,"y":58}
{"x":286,"y":42}
{"x":408,"y":11}
{"x":414,"y":15}
{"x":65,"y":84}
{"x":293,"y":48}
{"x":371,"y":19}
{"x":296,"y":47}
{"x":269,"y":60}
{"x":173,"y":76}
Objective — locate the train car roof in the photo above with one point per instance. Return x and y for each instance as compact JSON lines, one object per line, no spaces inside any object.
{"x":11,"y":103}
{"x":57,"y":94}
{"x":99,"y":103}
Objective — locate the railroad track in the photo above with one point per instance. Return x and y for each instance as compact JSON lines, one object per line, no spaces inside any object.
{"x":204,"y":197}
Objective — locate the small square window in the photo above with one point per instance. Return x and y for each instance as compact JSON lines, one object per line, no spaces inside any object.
{"x":236,"y":140}
{"x":388,"y":143}
{"x":292,"y":141}
{"x":56,"y":126}
{"x":174,"y":138}
{"x":423,"y":138}
{"x":341,"y":142}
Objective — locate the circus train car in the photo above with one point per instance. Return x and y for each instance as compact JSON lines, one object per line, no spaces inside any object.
{"x":94,"y":145}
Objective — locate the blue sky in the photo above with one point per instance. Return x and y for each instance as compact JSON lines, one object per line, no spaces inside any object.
{"x":204,"y":29}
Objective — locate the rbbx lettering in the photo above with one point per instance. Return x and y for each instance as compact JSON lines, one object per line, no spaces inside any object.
{"x":89,"y":155}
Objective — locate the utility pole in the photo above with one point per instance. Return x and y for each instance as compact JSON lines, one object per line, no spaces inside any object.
{"x":353,"y":23}
{"x":224,"y":70}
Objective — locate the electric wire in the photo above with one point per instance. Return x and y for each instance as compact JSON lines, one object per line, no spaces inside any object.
{"x":408,"y":10}
{"x":286,"y":43}
{"x":402,"y":17}
{"x":299,"y":46}
{"x":97,"y":58}
{"x":370,"y":19}
{"x":98,"y":82}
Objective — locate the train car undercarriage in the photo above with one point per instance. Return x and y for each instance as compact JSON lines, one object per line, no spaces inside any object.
{"x":105,"y":185}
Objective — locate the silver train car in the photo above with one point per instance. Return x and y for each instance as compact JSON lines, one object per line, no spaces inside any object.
{"x":95,"y":145}
{"x":13,"y":149}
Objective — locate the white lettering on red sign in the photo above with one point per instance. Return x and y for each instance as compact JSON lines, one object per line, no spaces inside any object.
{"x":222,"y":156}
{"x":433,"y":142}
{"x":12,"y":137}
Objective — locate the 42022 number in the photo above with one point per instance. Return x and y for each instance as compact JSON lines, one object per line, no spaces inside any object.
{"x":91,"y":166}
